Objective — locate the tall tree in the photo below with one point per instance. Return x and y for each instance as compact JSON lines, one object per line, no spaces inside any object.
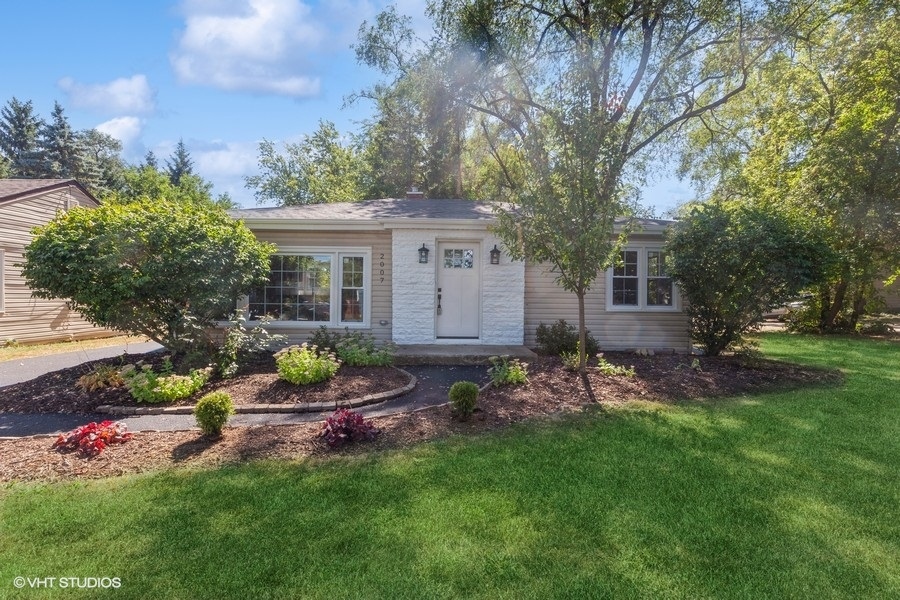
{"x":180,"y":163}
{"x":589,"y":89}
{"x":150,"y":160}
{"x":819,"y":133}
{"x":62,"y":152}
{"x":19,"y":130}
{"x":417,"y":135}
{"x":146,"y":184}
{"x":320,"y":168}
{"x":102,"y":156}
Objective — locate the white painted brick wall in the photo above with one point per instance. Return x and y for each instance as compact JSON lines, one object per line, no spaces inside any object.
{"x":413,"y":291}
{"x":502,"y":288}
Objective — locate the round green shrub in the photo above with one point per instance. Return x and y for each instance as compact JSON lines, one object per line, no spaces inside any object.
{"x":212,"y":412}
{"x":464,"y":397}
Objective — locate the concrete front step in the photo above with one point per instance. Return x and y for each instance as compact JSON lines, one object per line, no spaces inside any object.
{"x":456,"y":354}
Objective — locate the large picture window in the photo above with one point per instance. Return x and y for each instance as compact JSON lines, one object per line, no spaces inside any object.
{"x":640,"y":281}
{"x":316,"y":288}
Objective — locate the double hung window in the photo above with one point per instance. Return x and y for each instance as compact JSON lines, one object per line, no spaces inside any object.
{"x":314,"y":288}
{"x":640,"y":281}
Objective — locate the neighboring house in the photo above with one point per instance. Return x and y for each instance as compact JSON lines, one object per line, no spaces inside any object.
{"x":25,"y":204}
{"x":890,"y":294}
{"x":360,"y":265}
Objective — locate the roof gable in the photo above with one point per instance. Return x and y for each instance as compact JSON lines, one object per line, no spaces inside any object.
{"x":14,"y":189}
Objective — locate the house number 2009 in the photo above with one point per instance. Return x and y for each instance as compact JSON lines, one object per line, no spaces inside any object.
{"x":381,"y":264}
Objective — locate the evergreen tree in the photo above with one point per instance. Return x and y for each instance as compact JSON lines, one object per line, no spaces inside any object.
{"x":180,"y":164}
{"x":19,"y":129}
{"x":150,"y":161}
{"x":62,"y":153}
{"x":103,"y":169}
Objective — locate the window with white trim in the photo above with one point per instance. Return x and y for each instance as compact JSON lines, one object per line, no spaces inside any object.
{"x":314,"y":288}
{"x":640,"y":281}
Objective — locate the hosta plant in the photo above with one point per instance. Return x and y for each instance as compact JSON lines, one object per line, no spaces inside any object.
{"x":91,"y":439}
{"x":607,"y":368}
{"x":345,"y":426}
{"x":102,"y":376}
{"x":305,"y":364}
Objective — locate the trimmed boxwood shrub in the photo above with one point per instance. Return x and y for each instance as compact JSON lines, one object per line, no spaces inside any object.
{"x":212,"y":412}
{"x":464,"y":398}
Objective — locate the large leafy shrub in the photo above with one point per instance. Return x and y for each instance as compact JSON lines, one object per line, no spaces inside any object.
{"x":561,"y":338}
{"x":305,"y":364}
{"x":164,"y":269}
{"x":345,"y":426}
{"x":733,"y":264}
{"x":212,"y":412}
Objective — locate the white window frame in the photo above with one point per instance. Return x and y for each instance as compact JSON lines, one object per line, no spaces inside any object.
{"x":642,"y":305}
{"x":336,"y":254}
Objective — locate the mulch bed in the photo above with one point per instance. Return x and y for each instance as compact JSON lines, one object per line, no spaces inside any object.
{"x":551,"y":391}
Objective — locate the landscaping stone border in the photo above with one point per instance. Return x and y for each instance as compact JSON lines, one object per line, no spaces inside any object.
{"x":300,"y":407}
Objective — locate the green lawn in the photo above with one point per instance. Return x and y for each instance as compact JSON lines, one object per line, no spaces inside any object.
{"x":793,"y":495}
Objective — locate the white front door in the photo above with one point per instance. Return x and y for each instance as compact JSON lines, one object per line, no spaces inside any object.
{"x":458,"y":290}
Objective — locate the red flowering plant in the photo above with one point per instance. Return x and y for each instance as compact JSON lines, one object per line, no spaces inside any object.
{"x":344,"y":426}
{"x":91,"y":439}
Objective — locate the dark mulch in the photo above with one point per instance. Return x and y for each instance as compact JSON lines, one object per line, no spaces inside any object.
{"x":550,"y":391}
{"x":256,"y":383}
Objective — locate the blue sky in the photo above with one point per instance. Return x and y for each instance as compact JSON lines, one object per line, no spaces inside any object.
{"x":221,"y":74}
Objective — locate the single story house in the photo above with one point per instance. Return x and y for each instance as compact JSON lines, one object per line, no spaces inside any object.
{"x":420,"y":272}
{"x":25,"y":204}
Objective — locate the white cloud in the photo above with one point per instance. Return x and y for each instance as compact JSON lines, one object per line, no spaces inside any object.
{"x":131,"y":95}
{"x":125,"y":129}
{"x":218,"y":159}
{"x":255,"y":45}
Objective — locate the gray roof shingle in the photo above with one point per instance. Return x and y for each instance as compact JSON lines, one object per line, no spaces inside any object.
{"x":374,"y":210}
{"x":16,"y":188}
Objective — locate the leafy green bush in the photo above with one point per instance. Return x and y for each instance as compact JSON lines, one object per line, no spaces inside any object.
{"x":156,"y":267}
{"x":561,"y":337}
{"x":212,"y":412}
{"x":304,"y":364}
{"x":734,"y":263}
{"x":607,"y":368}
{"x":463,"y":398}
{"x":354,"y":348}
{"x":504,"y":371}
{"x":146,"y":385}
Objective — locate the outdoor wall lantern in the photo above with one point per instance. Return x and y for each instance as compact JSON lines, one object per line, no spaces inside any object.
{"x":423,"y":254}
{"x":495,"y":255}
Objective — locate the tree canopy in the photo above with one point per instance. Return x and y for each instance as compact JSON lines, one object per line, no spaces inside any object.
{"x":161,"y":268}
{"x":818,"y":134}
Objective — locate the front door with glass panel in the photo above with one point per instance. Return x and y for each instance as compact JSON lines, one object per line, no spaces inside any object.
{"x":458,"y":292}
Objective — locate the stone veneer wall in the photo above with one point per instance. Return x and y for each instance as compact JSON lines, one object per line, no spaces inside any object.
{"x":502,"y":289}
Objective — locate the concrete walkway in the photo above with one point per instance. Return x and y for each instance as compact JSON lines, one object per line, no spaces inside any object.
{"x":431,"y":390}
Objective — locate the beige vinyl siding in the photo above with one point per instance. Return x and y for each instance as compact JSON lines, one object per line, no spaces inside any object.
{"x":547,"y":302}
{"x":24,"y":318}
{"x":380,"y":244}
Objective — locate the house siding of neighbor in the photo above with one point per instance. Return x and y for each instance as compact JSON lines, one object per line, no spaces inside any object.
{"x":25,"y":204}
{"x":458,"y":296}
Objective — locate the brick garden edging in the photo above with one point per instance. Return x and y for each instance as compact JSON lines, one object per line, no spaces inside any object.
{"x":300,"y":407}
